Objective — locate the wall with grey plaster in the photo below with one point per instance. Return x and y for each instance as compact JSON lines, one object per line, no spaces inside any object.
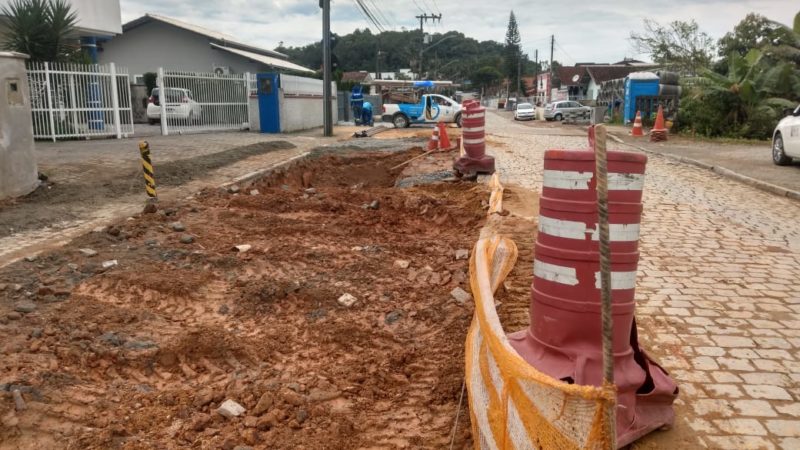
{"x":18,"y":173}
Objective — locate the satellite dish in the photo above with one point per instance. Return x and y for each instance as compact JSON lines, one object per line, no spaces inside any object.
{"x":576,"y":78}
{"x":219,"y":71}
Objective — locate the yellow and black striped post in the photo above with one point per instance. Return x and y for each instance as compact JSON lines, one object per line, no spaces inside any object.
{"x":147,"y":166}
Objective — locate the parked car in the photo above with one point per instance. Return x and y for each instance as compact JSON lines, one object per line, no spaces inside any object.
{"x":786,"y":139}
{"x":179,"y":104}
{"x":525,"y":111}
{"x":558,"y":110}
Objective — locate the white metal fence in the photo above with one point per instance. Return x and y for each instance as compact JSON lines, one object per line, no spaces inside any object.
{"x":71,"y":101}
{"x":198,"y":102}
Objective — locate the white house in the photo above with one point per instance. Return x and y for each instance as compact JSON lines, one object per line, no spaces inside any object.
{"x":154,"y":41}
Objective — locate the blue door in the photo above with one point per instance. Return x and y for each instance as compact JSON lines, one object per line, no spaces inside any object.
{"x":268,"y":104}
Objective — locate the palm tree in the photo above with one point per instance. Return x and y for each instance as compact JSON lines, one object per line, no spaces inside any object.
{"x":756,"y":90}
{"x":42,"y":29}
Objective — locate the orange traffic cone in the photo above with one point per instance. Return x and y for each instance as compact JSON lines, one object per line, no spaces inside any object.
{"x":444,"y":140}
{"x":433,"y":144}
{"x":637,"y":125}
{"x":659,"y":131}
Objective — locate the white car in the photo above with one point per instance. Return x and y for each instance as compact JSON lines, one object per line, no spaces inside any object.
{"x":786,"y":139}
{"x":180,"y":105}
{"x":525,"y":111}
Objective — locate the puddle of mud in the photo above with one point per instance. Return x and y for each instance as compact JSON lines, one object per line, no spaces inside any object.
{"x":142,"y":354}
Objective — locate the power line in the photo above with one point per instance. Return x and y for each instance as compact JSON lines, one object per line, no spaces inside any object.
{"x":418,"y":7}
{"x":363,"y":14}
{"x":379,"y":13}
{"x":567,"y":54}
{"x":370,"y":15}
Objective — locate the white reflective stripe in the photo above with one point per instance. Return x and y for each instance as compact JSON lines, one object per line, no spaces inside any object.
{"x":625,"y":181}
{"x":562,"y":179}
{"x":474,"y":141}
{"x":552,"y":272}
{"x":619,"y":280}
{"x":474,"y":130}
{"x":474,"y":116}
{"x":578,"y":230}
{"x":562,"y":228}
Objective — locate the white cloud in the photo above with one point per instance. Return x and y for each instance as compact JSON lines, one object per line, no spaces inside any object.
{"x":585,"y":31}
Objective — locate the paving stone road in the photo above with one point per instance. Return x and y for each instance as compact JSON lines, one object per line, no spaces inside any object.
{"x":718,"y":292}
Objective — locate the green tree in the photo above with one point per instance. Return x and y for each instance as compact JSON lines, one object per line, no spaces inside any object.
{"x":485,"y":77}
{"x":754,"y":31}
{"x":512,"y":53}
{"x":42,"y":29}
{"x":679,"y":46}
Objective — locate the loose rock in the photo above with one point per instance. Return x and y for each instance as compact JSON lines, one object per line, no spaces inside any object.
{"x":393,"y":317}
{"x":460,"y":295}
{"x":177,"y":226}
{"x":242,"y":248}
{"x":264,"y":404}
{"x":201,"y":421}
{"x":13,"y":315}
{"x":402,"y":263}
{"x":88,"y":252}
{"x":113,"y":231}
{"x":462,"y":253}
{"x":347,"y":300}
{"x":25,"y":307}
{"x":230,"y":409}
{"x":110,"y":264}
{"x":187,"y":239}
{"x":254,"y":192}
{"x":19,"y":403}
{"x":233,"y":189}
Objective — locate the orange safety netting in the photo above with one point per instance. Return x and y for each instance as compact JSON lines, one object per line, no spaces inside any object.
{"x":513,"y":405}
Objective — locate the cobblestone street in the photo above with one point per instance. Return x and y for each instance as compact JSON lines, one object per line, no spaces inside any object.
{"x":718,"y":292}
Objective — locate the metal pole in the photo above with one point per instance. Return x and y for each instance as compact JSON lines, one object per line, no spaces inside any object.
{"x":49,"y":97}
{"x":326,"y":66}
{"x":421,"y":44}
{"x":162,"y":101}
{"x":607,"y":318}
{"x":115,"y":99}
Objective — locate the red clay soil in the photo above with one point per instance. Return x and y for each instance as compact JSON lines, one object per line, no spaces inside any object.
{"x":141,"y":355}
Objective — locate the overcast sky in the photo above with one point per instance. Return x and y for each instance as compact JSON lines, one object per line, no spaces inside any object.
{"x":585,"y":31}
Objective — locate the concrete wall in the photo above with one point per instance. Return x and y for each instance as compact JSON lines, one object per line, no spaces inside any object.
{"x":18,"y":172}
{"x":303,"y":113}
{"x":155,"y":44}
{"x":255,"y":117}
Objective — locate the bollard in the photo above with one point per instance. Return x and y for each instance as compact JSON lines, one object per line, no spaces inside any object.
{"x":474,"y":140}
{"x":147,"y":167}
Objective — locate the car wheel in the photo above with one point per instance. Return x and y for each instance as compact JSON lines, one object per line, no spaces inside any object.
{"x":458,"y":120}
{"x":778,"y":154}
{"x":400,"y":121}
{"x":558,"y":117}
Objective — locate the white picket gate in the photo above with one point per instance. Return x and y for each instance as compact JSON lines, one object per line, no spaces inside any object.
{"x":72,"y":101}
{"x":196,"y":102}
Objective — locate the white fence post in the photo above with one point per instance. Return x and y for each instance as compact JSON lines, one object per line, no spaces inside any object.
{"x":115,"y":99}
{"x":162,"y":101}
{"x":48,"y":93}
{"x":247,"y":90}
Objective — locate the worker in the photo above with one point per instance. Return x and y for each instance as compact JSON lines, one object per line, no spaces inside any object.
{"x":366,"y":114}
{"x":356,"y":102}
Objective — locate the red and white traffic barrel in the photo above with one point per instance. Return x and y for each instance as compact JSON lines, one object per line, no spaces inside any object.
{"x":473,"y":123}
{"x":564,"y":339}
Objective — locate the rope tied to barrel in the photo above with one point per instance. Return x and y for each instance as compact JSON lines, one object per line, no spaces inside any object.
{"x":601,"y":168}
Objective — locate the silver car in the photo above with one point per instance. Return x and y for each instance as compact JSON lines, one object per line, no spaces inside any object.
{"x":559,"y":110}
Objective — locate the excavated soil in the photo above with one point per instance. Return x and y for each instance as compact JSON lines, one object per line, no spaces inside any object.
{"x":142,"y":354}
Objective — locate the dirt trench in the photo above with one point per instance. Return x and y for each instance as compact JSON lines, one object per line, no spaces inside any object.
{"x":141,"y":354}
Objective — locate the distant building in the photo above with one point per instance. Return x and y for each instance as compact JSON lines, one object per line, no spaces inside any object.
{"x":154,"y":41}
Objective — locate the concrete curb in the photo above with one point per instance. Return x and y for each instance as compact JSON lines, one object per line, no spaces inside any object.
{"x":252,"y":176}
{"x":727,"y":173}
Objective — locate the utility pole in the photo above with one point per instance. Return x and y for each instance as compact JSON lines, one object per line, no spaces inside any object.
{"x":550,"y":83}
{"x":326,"y":67}
{"x":536,"y":58}
{"x":519,"y":75}
{"x":422,"y":20}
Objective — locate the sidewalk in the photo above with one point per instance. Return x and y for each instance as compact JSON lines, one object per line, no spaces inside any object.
{"x":752,"y":160}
